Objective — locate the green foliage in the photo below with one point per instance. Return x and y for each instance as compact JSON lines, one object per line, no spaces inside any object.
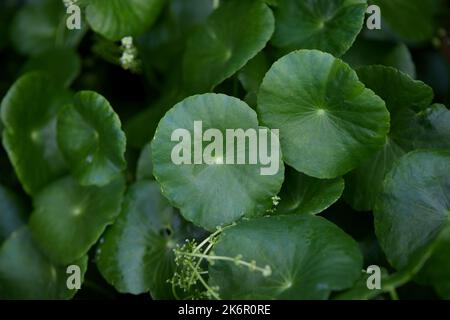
{"x":88,"y":177}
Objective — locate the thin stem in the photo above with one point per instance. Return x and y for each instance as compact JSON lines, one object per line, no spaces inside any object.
{"x":393,"y":294}
{"x":223,"y":258}
{"x":207,"y":287}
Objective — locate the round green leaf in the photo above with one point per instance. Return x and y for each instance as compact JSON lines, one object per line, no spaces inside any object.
{"x":216,"y":194}
{"x":413,"y":20}
{"x":301,"y":194}
{"x":408,"y":131}
{"x":219,"y":49}
{"x":29,"y":112}
{"x":329,"y":122}
{"x":145,"y":166}
{"x":309,"y":257}
{"x":41,"y":26}
{"x":115,"y":19}
{"x":91,"y":139}
{"x":25,"y":272}
{"x":330,"y":26}
{"x":63,"y":64}
{"x":136,"y":253}
{"x":12,"y":213}
{"x":68,"y":218}
{"x":413,"y":207}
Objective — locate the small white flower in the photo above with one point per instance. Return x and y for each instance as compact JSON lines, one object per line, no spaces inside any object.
{"x":127,"y":42}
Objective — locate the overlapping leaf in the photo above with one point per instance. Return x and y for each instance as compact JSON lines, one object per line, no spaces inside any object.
{"x":325,"y":25}
{"x":26,"y":273}
{"x":68,"y":218}
{"x":309,"y":258}
{"x":136,"y":253}
{"x":301,"y":194}
{"x":91,"y":139}
{"x":413,"y":207}
{"x":329,"y":122}
{"x":29,"y":113}
{"x":212,"y":194}
{"x":220,"y":48}
{"x":115,"y":19}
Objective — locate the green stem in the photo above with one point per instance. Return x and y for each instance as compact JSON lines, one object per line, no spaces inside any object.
{"x":223,"y":258}
{"x":200,"y":278}
{"x":393,"y":294}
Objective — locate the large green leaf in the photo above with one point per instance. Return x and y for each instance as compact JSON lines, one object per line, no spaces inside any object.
{"x":41,"y":26}
{"x":12,"y":213}
{"x":29,"y":112}
{"x":413,"y":207}
{"x":220,"y":48}
{"x":91,"y":139}
{"x":410,"y":128}
{"x":301,"y":194}
{"x":326,"y":25}
{"x":115,"y":19}
{"x":413,"y":20}
{"x":212,"y":194}
{"x":26,"y":273}
{"x":309,"y":258}
{"x":136,"y":253}
{"x":329,"y":122}
{"x":63,"y":64}
{"x":68,"y":218}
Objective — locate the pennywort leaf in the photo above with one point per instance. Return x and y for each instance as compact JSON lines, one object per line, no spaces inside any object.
{"x":212,"y":193}
{"x":115,"y":19}
{"x":26,"y":273}
{"x":220,"y":48}
{"x":308,"y":256}
{"x":329,"y":122}
{"x":329,"y":26}
{"x":29,"y":112}
{"x":68,"y":218}
{"x":136,"y":253}
{"x":413,"y":207}
{"x":91,"y":139}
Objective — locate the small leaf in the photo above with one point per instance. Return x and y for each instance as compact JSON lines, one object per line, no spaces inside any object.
{"x":413,"y":207}
{"x":29,"y":112}
{"x":41,"y":26}
{"x":219,"y":49}
{"x":330,"y":26}
{"x":12,"y":213}
{"x":329,"y":122}
{"x":210,"y":195}
{"x":309,"y":257}
{"x":68,"y":218}
{"x":63,"y":64}
{"x":91,"y":139}
{"x":301,"y":194}
{"x":25,"y":272}
{"x":115,"y":19}
{"x":136,"y":253}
